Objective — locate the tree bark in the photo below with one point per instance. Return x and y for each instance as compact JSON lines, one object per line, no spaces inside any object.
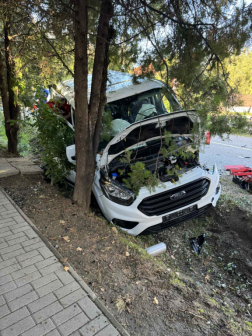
{"x":88,"y":116}
{"x":84,"y":165}
{"x":12,"y":113}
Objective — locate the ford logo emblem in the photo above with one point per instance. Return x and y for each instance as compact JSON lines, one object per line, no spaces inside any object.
{"x":178,"y":195}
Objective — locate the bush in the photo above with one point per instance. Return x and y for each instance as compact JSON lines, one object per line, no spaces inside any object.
{"x":54,"y":136}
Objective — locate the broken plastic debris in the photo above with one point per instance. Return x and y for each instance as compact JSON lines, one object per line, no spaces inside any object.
{"x":156,"y":249}
{"x":197,"y":243}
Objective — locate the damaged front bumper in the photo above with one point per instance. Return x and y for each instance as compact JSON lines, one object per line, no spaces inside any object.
{"x":149,"y":212}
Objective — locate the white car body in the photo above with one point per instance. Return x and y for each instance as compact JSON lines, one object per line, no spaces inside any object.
{"x":195,"y":192}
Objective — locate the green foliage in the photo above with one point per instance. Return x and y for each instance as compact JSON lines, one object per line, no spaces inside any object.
{"x":54,"y":136}
{"x":140,"y":177}
{"x":239,"y":69}
{"x":3,"y":137}
{"x":106,"y":126}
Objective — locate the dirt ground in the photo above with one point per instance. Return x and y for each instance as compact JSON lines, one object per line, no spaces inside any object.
{"x":176,"y":293}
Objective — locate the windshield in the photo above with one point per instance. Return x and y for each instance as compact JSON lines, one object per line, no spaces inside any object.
{"x":120,"y":114}
{"x":139,"y":107}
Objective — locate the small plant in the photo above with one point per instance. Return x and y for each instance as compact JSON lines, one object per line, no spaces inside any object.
{"x":54,"y":136}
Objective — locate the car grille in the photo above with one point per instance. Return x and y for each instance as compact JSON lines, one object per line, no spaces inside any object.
{"x":163,"y":226}
{"x":162,"y":203}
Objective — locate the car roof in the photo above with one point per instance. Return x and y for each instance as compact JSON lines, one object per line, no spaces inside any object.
{"x":119,"y":85}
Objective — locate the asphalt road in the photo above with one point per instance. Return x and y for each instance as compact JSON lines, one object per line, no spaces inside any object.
{"x":237,"y":150}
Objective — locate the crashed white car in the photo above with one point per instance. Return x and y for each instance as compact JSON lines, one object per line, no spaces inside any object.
{"x":141,"y":114}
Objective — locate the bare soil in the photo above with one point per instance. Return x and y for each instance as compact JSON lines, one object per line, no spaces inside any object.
{"x":176,"y":293}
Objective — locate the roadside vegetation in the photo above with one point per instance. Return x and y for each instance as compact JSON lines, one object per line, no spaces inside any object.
{"x":177,"y":292}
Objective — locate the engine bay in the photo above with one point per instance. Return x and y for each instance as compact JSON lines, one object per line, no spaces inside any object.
{"x":167,"y":167}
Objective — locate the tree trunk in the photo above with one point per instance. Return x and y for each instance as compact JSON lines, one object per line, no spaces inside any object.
{"x":12,"y":112}
{"x":88,"y":116}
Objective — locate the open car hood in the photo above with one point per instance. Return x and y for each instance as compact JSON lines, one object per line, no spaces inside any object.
{"x":137,"y":134}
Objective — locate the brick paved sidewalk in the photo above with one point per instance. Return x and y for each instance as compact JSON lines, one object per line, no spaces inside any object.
{"x":37,"y":296}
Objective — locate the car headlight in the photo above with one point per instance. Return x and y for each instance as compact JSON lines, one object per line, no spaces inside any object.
{"x":116,"y":193}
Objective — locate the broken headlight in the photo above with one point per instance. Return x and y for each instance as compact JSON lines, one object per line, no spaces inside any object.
{"x":116,"y":193}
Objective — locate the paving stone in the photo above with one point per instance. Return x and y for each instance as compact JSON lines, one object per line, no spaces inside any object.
{"x":22,"y":228}
{"x":7,"y":220}
{"x":9,"y":207}
{"x":10,"y":255}
{"x":9,"y":269}
{"x":44,"y":280}
{"x":47,"y":312}
{"x":5,"y":234}
{"x":50,"y":269}
{"x":31,"y":234}
{"x":30,"y":170}
{"x":14,"y":236}
{"x":17,"y":240}
{"x":4,"y":310}
{"x":72,"y":298}
{"x":46,"y":262}
{"x":4,"y":279}
{"x":27,"y":255}
{"x":9,"y":171}
{"x":64,"y":276}
{"x":73,"y":286}
{"x":4,"y":229}
{"x":19,"y":327}
{"x":7,"y":287}
{"x":66,"y":314}
{"x":9,"y":262}
{"x":42,"y":302}
{"x":14,"y":294}
{"x":22,"y":272}
{"x":108,"y":331}
{"x":2,"y":300}
{"x":73,"y":324}
{"x":22,"y":301}
{"x":31,"y":261}
{"x":94,"y":326}
{"x":31,"y":241}
{"x":12,"y":225}
{"x":19,"y":219}
{"x":10,"y":249}
{"x":27,"y":278}
{"x":89,"y":308}
{"x":52,"y":286}
{"x":16,"y":159}
{"x":12,"y":318}
{"x":46,"y":253}
{"x":53,"y":333}
{"x":3,"y":245}
{"x":34,"y":246}
{"x":40,"y":329}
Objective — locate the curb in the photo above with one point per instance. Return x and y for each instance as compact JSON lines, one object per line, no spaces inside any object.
{"x":90,"y":293}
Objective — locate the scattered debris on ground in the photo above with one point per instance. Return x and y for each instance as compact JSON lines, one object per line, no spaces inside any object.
{"x":175,"y":293}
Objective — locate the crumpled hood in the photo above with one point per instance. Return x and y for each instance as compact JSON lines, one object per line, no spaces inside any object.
{"x":177,"y":123}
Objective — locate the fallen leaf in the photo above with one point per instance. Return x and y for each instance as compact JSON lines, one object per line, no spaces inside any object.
{"x":155,"y":301}
{"x":66,"y":238}
{"x":114,"y":229}
{"x":71,"y":229}
{"x":79,"y":249}
{"x":207,"y":277}
{"x":66,"y":268}
{"x":63,"y":260}
{"x":127,"y":254}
